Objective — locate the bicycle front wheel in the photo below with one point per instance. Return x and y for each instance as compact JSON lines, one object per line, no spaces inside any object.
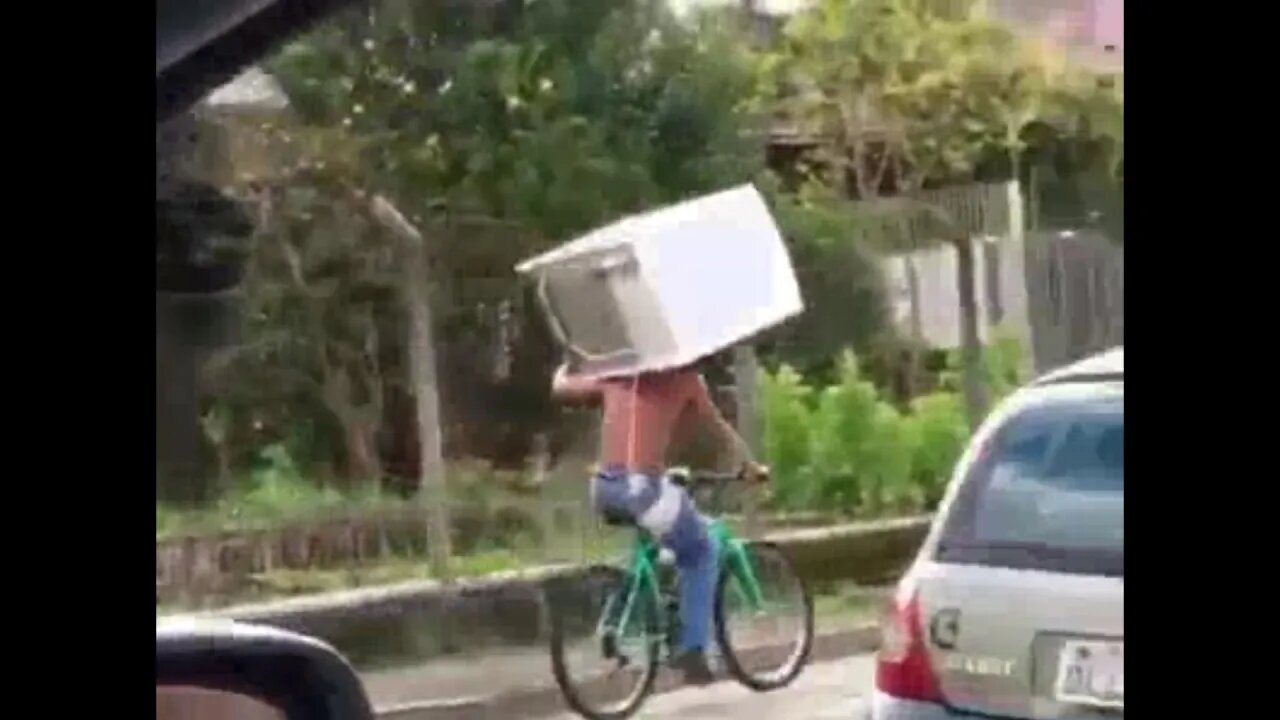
{"x":604,"y":649}
{"x":764,"y":618}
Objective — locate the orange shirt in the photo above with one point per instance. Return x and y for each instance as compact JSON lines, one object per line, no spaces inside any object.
{"x":640,"y":415}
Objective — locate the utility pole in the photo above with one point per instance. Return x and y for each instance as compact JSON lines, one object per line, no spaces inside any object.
{"x":422,"y":374}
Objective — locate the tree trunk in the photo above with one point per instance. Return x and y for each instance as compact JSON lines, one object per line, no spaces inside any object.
{"x":422,"y":370}
{"x":180,"y":477}
{"x":363,"y":462}
{"x":746,"y":371}
{"x":974,"y":384}
{"x":916,"y":339}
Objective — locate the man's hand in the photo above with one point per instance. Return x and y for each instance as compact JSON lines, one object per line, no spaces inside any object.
{"x":570,"y":361}
{"x":567,"y":386}
{"x":755,"y":472}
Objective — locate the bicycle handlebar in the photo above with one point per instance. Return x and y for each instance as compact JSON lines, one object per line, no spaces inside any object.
{"x":688,"y":478}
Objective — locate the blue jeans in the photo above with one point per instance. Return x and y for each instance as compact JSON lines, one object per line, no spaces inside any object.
{"x":666,"y":510}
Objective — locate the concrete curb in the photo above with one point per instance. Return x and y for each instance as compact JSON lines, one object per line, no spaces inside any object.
{"x":546,"y":700}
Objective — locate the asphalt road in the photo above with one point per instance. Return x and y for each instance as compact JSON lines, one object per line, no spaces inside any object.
{"x":824,"y":691}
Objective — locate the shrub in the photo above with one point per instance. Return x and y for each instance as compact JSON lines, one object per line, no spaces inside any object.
{"x":277,"y":491}
{"x":856,"y":443}
{"x":938,"y":432}
{"x":482,"y":513}
{"x":846,"y":447}
{"x":785,"y":405}
{"x":888,"y":482}
{"x":1001,"y":364}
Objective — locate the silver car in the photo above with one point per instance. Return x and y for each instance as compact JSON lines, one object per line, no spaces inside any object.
{"x":1014,"y":607}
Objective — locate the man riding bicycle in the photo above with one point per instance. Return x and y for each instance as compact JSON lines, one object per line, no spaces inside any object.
{"x":641,"y":416}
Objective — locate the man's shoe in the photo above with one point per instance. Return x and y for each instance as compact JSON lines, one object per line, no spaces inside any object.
{"x":693,"y":665}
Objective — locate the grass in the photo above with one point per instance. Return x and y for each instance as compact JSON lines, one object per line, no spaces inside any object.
{"x":847,"y":604}
{"x":268,"y":506}
{"x":279,"y":493}
{"x":285,"y":583}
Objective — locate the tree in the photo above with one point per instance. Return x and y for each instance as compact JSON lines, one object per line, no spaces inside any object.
{"x":499,"y":131}
{"x":908,"y":94}
{"x":319,"y":293}
{"x":832,"y":247}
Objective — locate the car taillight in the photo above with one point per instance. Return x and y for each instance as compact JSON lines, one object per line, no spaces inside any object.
{"x":902,"y":667}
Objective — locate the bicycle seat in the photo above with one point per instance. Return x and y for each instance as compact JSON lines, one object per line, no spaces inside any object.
{"x":618,"y":518}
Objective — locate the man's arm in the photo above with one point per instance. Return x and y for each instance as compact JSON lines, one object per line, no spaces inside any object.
{"x":573,"y":388}
{"x":725,"y":431}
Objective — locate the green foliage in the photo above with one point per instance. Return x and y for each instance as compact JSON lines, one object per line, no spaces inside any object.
{"x":1002,"y":366}
{"x":938,"y":431}
{"x":902,"y":93}
{"x":497,"y":133}
{"x":836,"y":267}
{"x":502,"y":131}
{"x":845,"y":447}
{"x":785,"y":407}
{"x":858,"y":444}
{"x":275,"y":492}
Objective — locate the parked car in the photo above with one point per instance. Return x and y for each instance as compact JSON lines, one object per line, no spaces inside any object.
{"x":1014,"y":606}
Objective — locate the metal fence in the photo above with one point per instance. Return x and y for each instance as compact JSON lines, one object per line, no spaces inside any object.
{"x":1075,"y":295}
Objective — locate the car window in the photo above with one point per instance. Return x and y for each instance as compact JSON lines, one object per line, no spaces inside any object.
{"x":1047,"y":492}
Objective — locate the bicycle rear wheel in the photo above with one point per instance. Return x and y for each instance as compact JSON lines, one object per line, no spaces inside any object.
{"x":604,"y":671}
{"x":747,"y":624}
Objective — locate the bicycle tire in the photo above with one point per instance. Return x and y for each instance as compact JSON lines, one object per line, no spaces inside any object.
{"x":610,"y":577}
{"x":799,"y":658}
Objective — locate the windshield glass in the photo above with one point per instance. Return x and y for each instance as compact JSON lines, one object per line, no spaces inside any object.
{"x":354,"y":381}
{"x":1048,"y":491}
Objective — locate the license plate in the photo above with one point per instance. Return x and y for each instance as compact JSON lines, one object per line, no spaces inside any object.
{"x":1091,"y":673}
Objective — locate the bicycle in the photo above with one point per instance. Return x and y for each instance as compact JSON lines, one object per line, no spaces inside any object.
{"x":633,"y":624}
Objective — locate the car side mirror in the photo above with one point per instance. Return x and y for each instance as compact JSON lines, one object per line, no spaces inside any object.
{"x":189,"y":702}
{"x":222,"y":670}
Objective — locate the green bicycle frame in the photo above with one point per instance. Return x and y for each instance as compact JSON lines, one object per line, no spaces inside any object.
{"x":642,"y":579}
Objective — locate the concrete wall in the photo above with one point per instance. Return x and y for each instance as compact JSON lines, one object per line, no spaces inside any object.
{"x":420,"y":620}
{"x":1061,"y":293}
{"x":1002,"y":296}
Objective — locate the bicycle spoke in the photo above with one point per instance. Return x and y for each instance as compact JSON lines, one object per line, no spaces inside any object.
{"x":767,"y":640}
{"x":601,"y":652}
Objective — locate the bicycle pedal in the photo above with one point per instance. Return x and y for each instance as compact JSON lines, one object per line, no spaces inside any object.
{"x":609,"y":647}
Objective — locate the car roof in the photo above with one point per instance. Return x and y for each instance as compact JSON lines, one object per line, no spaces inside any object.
{"x":1106,"y":366}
